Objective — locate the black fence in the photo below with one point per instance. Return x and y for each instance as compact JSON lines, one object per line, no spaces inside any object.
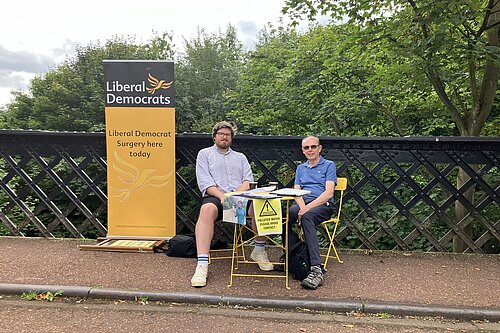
{"x":402,"y":193}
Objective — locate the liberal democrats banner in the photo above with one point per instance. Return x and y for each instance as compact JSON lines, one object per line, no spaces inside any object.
{"x":140,"y":143}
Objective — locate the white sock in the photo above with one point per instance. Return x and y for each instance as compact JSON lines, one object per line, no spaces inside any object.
{"x":203,"y":259}
{"x":260,"y":246}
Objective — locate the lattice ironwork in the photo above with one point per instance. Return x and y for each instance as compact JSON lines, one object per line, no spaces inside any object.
{"x":402,"y":192}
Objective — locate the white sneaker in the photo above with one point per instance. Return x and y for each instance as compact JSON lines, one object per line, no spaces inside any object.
{"x":199,"y":278}
{"x":260,"y":257}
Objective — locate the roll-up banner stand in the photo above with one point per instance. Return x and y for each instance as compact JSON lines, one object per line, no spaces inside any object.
{"x":140,"y":150}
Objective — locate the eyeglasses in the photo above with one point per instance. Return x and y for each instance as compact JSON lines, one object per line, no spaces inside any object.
{"x":311,"y":147}
{"x":223,"y":134}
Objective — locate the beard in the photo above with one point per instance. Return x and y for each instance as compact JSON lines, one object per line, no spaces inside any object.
{"x":223,"y":144}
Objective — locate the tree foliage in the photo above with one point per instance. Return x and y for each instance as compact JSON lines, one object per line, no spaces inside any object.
{"x":70,"y":97}
{"x":264,"y":94}
{"x":205,"y":74}
{"x":456,"y":44}
{"x":380,"y":68}
{"x":323,"y":82}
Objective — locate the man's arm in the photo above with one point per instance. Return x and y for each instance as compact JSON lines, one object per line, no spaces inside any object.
{"x":247,"y":174}
{"x":204,"y":179}
{"x":299,"y":200}
{"x":323,"y":197}
{"x":214,"y":191}
{"x":245,"y":186}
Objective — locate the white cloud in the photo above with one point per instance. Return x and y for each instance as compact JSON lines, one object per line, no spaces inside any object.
{"x":5,"y":96}
{"x":21,"y":61}
{"x":43,"y":33}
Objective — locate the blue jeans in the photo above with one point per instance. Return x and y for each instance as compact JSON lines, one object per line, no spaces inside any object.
{"x":309,"y":222}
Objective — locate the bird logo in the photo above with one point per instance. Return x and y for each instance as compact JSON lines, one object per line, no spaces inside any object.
{"x":156,"y":84}
{"x":135,"y":179}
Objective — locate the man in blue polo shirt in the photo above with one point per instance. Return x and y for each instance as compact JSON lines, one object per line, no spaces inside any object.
{"x":319,"y":176}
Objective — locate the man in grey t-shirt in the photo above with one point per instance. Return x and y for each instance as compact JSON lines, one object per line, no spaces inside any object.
{"x":219,"y":170}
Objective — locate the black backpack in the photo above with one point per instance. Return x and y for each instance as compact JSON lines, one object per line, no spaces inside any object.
{"x":299,"y":262}
{"x":179,"y":246}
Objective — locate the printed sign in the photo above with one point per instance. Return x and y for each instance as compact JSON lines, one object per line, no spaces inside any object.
{"x":140,"y":144}
{"x":234,"y":209}
{"x":267,"y":214}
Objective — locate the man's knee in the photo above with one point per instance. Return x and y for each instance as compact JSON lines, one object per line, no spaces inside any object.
{"x":208,"y":213}
{"x":293,"y":212}
{"x":309,"y":221}
{"x":294,"y":209}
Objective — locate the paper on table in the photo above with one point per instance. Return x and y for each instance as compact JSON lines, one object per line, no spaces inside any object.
{"x":258,"y":195}
{"x":260,"y":192}
{"x":262,"y":189}
{"x":290,"y":192}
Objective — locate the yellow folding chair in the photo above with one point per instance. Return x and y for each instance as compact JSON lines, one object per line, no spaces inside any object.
{"x":341,"y":187}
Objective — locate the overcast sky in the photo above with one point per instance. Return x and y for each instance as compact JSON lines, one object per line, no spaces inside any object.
{"x":37,"y":35}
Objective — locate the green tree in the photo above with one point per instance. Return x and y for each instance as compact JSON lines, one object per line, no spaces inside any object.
{"x":322,"y":82}
{"x":455,"y":43}
{"x":351,"y":92}
{"x":70,"y":97}
{"x":264,"y":101}
{"x":205,"y":74}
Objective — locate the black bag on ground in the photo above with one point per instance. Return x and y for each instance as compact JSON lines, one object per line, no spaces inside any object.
{"x":182,"y":246}
{"x":299,"y":262}
{"x":179,"y":246}
{"x":185,"y":246}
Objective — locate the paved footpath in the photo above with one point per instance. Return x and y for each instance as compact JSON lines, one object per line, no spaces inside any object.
{"x":446,"y":285}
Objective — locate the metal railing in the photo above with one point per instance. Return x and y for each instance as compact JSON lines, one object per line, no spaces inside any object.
{"x":402,"y":192}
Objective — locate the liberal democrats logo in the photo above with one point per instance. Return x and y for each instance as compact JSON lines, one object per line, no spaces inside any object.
{"x":150,"y":92}
{"x":156,"y":84}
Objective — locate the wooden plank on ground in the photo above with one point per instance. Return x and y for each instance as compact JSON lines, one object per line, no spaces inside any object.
{"x":124,"y":245}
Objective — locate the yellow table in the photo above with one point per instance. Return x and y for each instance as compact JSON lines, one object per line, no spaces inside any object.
{"x":239,"y":243}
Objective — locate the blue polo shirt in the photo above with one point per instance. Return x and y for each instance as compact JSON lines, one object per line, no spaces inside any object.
{"x":314,"y":178}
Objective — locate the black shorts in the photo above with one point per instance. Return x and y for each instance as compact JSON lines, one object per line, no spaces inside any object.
{"x":216,"y":202}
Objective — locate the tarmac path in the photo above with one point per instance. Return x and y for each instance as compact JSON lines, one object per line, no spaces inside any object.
{"x":425,"y":284}
{"x":82,"y":316}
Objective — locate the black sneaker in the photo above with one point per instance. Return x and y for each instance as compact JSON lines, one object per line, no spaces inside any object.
{"x":314,"y":279}
{"x":281,"y":266}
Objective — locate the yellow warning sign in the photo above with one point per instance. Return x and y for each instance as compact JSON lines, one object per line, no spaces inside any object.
{"x":267,"y":209}
{"x":267,"y":214}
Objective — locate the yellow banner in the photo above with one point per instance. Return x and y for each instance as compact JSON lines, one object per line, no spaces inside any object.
{"x":141,"y":172}
{"x":267,"y":214}
{"x":140,"y":144}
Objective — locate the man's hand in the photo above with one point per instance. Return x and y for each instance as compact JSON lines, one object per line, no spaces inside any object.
{"x":302,"y":211}
{"x":216,"y":192}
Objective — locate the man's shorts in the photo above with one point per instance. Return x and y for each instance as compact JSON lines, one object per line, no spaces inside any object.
{"x":216,"y":202}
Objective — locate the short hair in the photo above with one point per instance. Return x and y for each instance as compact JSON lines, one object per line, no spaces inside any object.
{"x":311,"y":137}
{"x":224,"y":124}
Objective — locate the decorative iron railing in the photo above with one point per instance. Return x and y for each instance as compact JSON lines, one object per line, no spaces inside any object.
{"x":402,"y":192}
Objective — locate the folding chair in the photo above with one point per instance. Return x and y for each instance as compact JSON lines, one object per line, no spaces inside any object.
{"x":341,"y":186}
